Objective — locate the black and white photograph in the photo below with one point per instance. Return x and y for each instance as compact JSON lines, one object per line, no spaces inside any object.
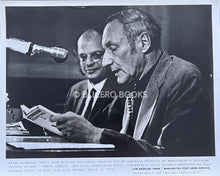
{"x":110,"y":82}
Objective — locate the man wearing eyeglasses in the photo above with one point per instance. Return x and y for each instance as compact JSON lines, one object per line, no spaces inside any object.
{"x":173,"y":119}
{"x":91,"y":98}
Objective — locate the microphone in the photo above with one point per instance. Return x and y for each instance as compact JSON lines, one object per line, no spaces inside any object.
{"x":59,"y":54}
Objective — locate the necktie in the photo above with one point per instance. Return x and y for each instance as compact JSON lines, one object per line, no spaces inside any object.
{"x":130,"y":107}
{"x":129,"y":114}
{"x":132,"y":119}
{"x":89,"y":108}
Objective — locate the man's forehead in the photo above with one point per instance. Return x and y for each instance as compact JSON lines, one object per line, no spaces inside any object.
{"x":93,"y":43}
{"x":85,"y":38}
{"x":112,"y":30}
{"x":90,"y":46}
{"x":115,"y":24}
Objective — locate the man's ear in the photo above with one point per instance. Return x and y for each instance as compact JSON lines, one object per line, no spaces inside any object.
{"x":145,"y":42}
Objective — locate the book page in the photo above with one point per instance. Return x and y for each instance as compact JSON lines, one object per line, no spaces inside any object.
{"x":41,"y":117}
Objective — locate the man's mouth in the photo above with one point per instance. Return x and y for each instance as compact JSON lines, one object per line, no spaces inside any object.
{"x":90,"y":71}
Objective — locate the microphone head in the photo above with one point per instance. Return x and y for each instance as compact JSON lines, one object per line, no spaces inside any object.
{"x":59,"y":54}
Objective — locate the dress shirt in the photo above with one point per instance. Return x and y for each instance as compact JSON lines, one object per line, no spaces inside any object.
{"x":98,"y":87}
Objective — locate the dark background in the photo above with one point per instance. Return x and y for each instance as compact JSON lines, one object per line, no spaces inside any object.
{"x":38,"y":79}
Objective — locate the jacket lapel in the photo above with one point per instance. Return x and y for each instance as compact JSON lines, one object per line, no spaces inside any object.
{"x":152,"y":91}
{"x":81,"y":100}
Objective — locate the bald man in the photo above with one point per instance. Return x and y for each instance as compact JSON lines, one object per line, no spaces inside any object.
{"x":96,"y":97}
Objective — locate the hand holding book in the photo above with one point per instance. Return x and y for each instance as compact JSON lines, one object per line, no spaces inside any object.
{"x":76,"y":128}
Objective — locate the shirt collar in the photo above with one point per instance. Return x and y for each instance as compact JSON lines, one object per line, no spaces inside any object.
{"x":156,"y":57}
{"x":97,"y":86}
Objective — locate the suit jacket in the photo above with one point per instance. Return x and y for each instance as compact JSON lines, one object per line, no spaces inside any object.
{"x":173,"y":119}
{"x":107,"y":111}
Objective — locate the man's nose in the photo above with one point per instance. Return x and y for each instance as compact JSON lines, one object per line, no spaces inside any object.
{"x":106,"y":60}
{"x":89,"y":61}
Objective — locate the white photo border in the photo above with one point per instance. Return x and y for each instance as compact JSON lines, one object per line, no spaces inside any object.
{"x":124,"y":169}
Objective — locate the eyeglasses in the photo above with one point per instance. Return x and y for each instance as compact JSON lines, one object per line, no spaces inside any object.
{"x":96,"y":56}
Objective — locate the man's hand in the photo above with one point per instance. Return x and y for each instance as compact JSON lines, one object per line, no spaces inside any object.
{"x":76,"y":128}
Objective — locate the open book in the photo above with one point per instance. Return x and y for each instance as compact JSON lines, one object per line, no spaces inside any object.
{"x":40,"y":116}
